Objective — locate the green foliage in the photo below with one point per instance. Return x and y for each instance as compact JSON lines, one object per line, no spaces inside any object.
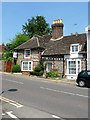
{"x":18,"y":40}
{"x":9,"y":48}
{"x":16,"y":68}
{"x":42,"y":64}
{"x":32,"y":73}
{"x":7,"y":56}
{"x":38,"y":70}
{"x":53,"y":73}
{"x":37,"y":26}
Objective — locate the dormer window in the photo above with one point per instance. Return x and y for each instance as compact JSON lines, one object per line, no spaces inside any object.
{"x":74,"y":48}
{"x":27,"y":53}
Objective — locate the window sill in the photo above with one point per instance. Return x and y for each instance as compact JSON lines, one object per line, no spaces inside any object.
{"x":26,"y":57}
{"x":71,"y":74}
{"x":26,"y":70}
{"x":74,"y":52}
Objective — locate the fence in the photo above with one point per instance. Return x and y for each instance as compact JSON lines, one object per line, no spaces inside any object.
{"x":7,"y":66}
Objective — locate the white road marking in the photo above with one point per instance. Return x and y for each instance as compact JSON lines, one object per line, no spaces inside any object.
{"x":14,"y":81}
{"x":54,"y":116}
{"x":14,"y":103}
{"x":69,"y":93}
{"x":11,"y":115}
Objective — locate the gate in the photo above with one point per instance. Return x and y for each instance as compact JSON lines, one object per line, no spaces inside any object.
{"x":8,"y":66}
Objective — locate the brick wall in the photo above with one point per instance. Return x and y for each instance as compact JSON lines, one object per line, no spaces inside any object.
{"x":26,"y":73}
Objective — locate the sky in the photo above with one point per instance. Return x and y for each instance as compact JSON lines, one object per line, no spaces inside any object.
{"x":15,"y":14}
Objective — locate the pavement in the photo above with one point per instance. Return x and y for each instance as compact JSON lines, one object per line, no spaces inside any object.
{"x":61,"y":80}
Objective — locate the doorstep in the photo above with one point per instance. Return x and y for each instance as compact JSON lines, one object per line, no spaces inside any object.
{"x":17,"y":73}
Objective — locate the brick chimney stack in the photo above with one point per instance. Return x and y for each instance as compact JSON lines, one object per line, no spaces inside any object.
{"x":57,"y":29}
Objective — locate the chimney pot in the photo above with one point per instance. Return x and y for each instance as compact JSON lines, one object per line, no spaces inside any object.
{"x":57,"y":29}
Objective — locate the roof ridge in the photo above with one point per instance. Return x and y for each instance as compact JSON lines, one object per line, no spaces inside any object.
{"x":28,"y":41}
{"x":25,"y":42}
{"x":37,"y":41}
{"x":37,"y":36}
{"x":75,"y":34}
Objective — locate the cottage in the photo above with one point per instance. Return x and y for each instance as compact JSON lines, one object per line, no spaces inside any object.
{"x":29,"y":53}
{"x":67,"y":54}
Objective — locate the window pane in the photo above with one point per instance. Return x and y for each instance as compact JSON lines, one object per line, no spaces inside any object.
{"x":72,"y":67}
{"x":27,"y":53}
{"x":29,"y":65}
{"x":25,"y":65}
{"x":78,"y":66}
{"x":74,"y":48}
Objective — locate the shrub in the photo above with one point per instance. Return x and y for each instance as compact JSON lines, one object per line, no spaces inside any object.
{"x":32,"y":73}
{"x":53,"y":73}
{"x":16,"y":68}
{"x":39,"y":73}
{"x":38,"y":70}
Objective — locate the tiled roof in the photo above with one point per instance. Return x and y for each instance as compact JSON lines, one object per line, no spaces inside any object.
{"x":55,"y":47}
{"x":62,"y":46}
{"x":35,"y":42}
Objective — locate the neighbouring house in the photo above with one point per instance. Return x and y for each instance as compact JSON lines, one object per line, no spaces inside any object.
{"x":67,"y":54}
{"x":87,"y":29}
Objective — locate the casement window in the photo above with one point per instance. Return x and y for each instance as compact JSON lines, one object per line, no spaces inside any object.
{"x":27,"y":53}
{"x":74,"y":48}
{"x":26,"y":65}
{"x":73,"y":66}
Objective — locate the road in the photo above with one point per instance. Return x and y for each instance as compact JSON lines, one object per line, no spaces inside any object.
{"x":31,"y":97}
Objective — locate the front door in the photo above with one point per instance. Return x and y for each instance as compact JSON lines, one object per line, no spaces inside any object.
{"x":48,"y":67}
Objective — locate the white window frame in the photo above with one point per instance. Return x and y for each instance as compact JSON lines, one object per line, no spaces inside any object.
{"x":25,"y":53}
{"x":74,"y":45}
{"x":28,"y":66}
{"x":76,"y":60}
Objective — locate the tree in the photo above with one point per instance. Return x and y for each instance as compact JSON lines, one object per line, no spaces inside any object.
{"x":18,"y":40}
{"x":9,"y":48}
{"x":7,"y":53}
{"x":37,"y":26}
